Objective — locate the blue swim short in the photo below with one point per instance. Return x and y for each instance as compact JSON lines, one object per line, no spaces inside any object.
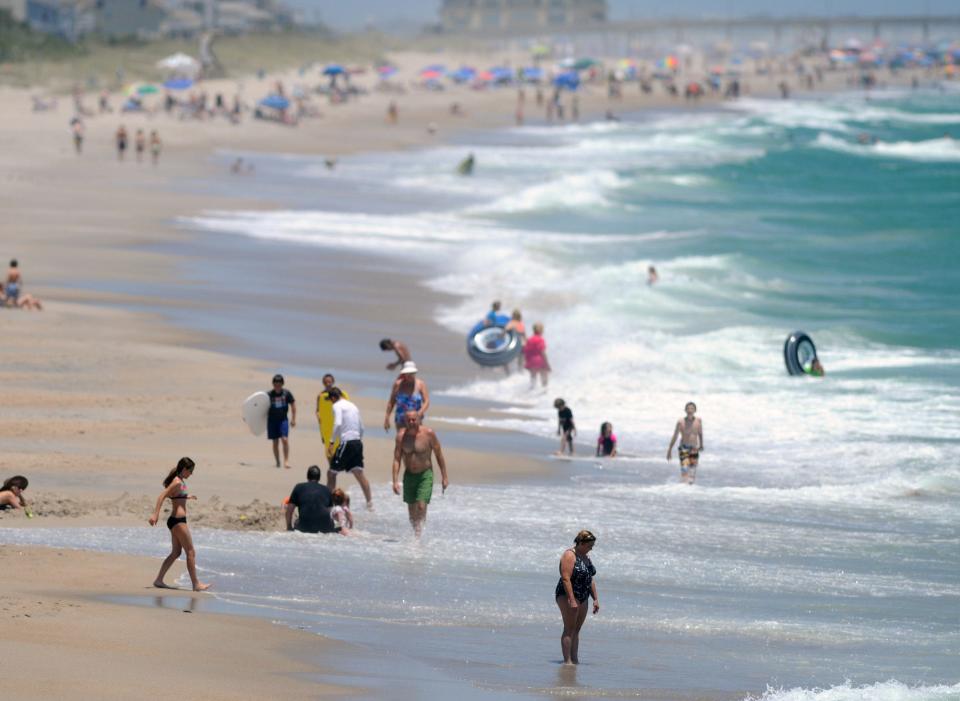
{"x":277,"y":429}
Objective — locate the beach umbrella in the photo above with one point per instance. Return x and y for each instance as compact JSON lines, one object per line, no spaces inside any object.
{"x":178,"y":84}
{"x":569,"y":80}
{"x":533,"y":73}
{"x":180,"y":63}
{"x":142,"y":89}
{"x":275,"y":102}
{"x":583,"y":64}
{"x":334,"y":69}
{"x":463,"y":74}
{"x":431,"y":75}
{"x":386,"y":71}
{"x":434,"y":68}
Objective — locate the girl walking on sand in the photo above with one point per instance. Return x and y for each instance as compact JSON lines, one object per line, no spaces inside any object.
{"x":175,"y":489}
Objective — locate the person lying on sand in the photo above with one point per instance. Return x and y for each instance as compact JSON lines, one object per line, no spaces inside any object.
{"x":11,"y":494}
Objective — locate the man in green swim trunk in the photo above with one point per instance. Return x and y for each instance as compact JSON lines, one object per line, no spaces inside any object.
{"x":414,"y":446}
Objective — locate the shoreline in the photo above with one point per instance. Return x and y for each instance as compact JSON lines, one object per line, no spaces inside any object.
{"x":148,"y":351}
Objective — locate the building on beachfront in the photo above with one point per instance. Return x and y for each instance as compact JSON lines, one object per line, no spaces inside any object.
{"x":74,"y":19}
{"x":520,"y":15}
{"x":147,"y":19}
{"x":16,"y":8}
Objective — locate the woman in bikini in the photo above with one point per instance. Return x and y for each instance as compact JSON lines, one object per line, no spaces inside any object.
{"x":576,"y":585}
{"x":175,"y":489}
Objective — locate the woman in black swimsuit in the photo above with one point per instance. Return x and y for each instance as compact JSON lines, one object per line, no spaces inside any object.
{"x":176,"y":491}
{"x":576,"y":585}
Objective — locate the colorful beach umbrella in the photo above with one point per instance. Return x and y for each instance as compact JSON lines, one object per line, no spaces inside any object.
{"x":334,"y":69}
{"x":142,"y":89}
{"x":386,"y":71}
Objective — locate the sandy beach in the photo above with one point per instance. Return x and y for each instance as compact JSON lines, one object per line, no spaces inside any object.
{"x":101,"y":397}
{"x":66,"y":640}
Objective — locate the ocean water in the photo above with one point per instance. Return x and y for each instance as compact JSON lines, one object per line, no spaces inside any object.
{"x":818,"y":555}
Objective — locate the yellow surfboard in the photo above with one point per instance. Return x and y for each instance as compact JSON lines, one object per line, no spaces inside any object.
{"x":325,"y":417}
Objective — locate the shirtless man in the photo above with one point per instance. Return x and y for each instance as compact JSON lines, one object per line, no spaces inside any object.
{"x":398,"y":347}
{"x":414,"y":446}
{"x":690,"y":431}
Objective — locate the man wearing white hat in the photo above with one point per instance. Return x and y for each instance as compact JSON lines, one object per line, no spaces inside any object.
{"x":409,"y":394}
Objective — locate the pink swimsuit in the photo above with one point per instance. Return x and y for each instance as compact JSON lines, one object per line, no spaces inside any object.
{"x":533,"y":351}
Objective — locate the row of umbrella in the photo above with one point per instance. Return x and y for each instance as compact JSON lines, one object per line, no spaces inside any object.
{"x":152,"y":89}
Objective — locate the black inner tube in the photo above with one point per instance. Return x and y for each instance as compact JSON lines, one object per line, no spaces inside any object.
{"x":799,"y":353}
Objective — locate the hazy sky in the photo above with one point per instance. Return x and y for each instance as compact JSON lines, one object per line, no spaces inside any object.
{"x":351,"y":14}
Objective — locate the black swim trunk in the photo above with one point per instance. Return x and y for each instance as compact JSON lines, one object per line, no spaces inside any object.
{"x":174,"y":520}
{"x":349,"y":456}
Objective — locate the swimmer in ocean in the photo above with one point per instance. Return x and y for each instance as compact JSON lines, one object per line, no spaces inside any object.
{"x":690,"y":431}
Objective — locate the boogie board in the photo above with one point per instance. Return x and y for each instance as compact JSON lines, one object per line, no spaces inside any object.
{"x":254,"y":412}
{"x":325,"y":417}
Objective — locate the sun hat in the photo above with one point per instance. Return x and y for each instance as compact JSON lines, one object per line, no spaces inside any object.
{"x":409,"y":367}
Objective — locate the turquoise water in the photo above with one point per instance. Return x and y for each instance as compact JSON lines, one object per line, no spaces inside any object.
{"x":818,"y":554}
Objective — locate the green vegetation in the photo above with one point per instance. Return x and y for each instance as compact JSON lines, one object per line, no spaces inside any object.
{"x":20,"y":43}
{"x":97,"y":64}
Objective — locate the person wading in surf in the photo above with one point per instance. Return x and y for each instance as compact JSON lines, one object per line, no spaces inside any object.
{"x":414,"y":446}
{"x":690,"y":431}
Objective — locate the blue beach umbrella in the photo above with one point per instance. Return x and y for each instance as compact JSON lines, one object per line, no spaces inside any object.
{"x":569,"y":80}
{"x":533,"y":73}
{"x":334,"y":69}
{"x":463,"y":74}
{"x":275,"y":102}
{"x":178,"y":84}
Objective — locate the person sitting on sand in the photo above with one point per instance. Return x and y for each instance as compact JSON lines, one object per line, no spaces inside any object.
{"x":340,"y":513}
{"x":11,"y":493}
{"x":607,"y":441}
{"x":175,"y":489}
{"x":566,"y":429}
{"x":398,"y":347}
{"x":313,"y":501}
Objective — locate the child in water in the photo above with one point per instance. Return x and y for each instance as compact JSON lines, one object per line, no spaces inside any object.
{"x":565,"y":426}
{"x":340,"y":513}
{"x":607,"y":442}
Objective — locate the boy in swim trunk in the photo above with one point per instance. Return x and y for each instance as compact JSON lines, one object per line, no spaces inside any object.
{"x":690,"y":431}
{"x":414,"y":446}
